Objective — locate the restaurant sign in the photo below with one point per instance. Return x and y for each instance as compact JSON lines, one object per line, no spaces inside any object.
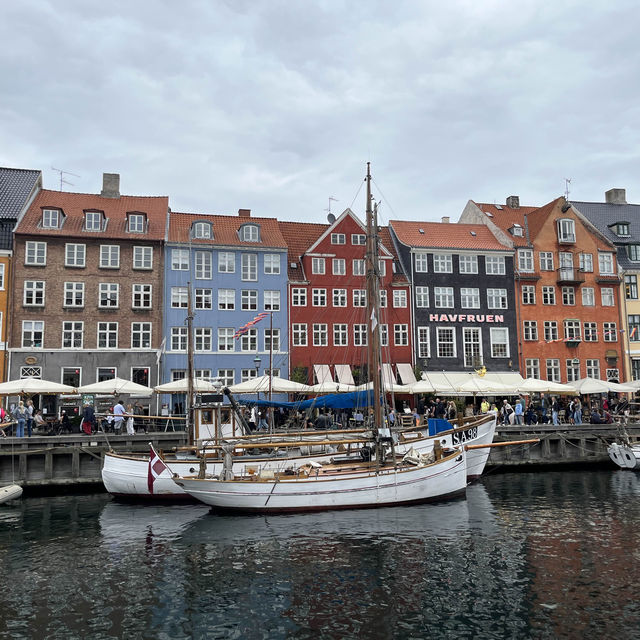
{"x":462,"y":317}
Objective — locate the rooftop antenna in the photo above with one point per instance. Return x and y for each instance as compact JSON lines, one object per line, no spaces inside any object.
{"x":328,"y":210}
{"x":567,"y":182}
{"x":62,"y":172}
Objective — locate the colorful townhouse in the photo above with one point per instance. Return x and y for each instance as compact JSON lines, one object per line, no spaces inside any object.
{"x":18,"y":188}
{"x":567,"y":289}
{"x":234,"y":269}
{"x":328,"y":298}
{"x":87,"y":283}
{"x":464,"y":312}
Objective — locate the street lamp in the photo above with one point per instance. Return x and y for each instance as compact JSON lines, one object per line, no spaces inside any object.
{"x":256,"y":363}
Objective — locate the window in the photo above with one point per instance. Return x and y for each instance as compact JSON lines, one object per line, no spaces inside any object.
{"x":248,"y":374}
{"x":227,"y":377}
{"x":607,"y":296}
{"x":572,"y":330}
{"x":1,"y":276}
{"x":140,"y":375}
{"x":179,"y":297}
{"x":422,"y":297}
{"x":298,"y":297}
{"x":179,"y":259}
{"x":443,"y":297}
{"x":517,"y":230}
{"x":499,"y":342}
{"x":109,"y":256}
{"x":74,"y":294}
{"x":317,"y":266}
{"x":71,"y":376}
{"x":339,"y":266}
{"x":107,"y":335}
{"x":532,"y":368}
{"x":202,"y":338}
{"x":249,"y":300}
{"x":105,"y":373}
{"x":360,"y":335}
{"x":204,"y":265}
{"x":340,"y":335}
{"x":359,"y":268}
{"x":358,"y":239}
{"x":50,"y":219}
{"x":573,"y":370}
{"x":31,"y":372}
{"x":566,"y":230}
{"x":634,"y":327}
{"x":633,"y":251}
{"x":142,"y":257}
{"x":226,"y":262}
{"x":204,"y":298}
{"x":109,"y":293}
{"x":339,"y":297}
{"x":140,"y":335}
{"x":272,"y":301}
{"x":421,"y":263}
{"x":359,"y":298}
{"x":226,"y":339}
{"x":319,"y":297}
{"x":33,"y":293}
{"x":550,"y":330}
{"x":593,"y":368}
{"x":141,"y":296}
{"x":494,"y":265}
{"x":250,"y":233}
{"x":382,"y":268}
{"x":272,"y":264}
{"x":226,"y":299}
{"x":383,"y":298}
{"x":468,"y":264}
{"x":446,"y":342}
{"x":249,"y":267}
{"x":530,"y":330}
{"x":470,"y":298}
{"x":32,"y":333}
{"x":442,"y":263}
{"x":400,"y":335}
{"x":399,"y":299}
{"x":202,"y":230}
{"x":605,"y":263}
{"x":320,"y":335}
{"x":299,"y":335}
{"x":621,"y":228}
{"x":75,"y":255}
{"x":586,"y":262}
{"x":566,"y":271}
{"x":588,"y":297}
{"x":136,"y":222}
{"x":497,"y":298}
{"x":178,"y":338}
{"x":338,"y":238}
{"x":35,"y":253}
{"x":525,"y":259}
{"x":548,"y":295}
{"x":249,"y":340}
{"x":472,"y":345}
{"x":546,"y":261}
{"x":613,"y":374}
{"x":272,"y":340}
{"x":631,"y":287}
{"x":93,"y":220}
{"x":590,"y":331}
{"x":553,"y":369}
{"x":610,"y":331}
{"x":384,"y":335}
{"x":528,"y":294}
{"x":568,"y":296}
{"x":424,"y":343}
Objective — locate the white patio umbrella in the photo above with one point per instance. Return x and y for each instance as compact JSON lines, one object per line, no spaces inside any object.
{"x":388,"y":388}
{"x":476,"y":384}
{"x":593,"y":385}
{"x":181,"y":386}
{"x":116,"y":386}
{"x":533,"y":385}
{"x":422,"y":386}
{"x":261,"y":385}
{"x":331,"y":387}
{"x":33,"y":386}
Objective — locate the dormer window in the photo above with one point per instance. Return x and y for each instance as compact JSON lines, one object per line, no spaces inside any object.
{"x":93,"y":220}
{"x":517,"y":230}
{"x":621,"y":229}
{"x":250,"y":233}
{"x":136,"y":222}
{"x":202,"y":230}
{"x":566,"y":230}
{"x":51,"y":219}
{"x":338,"y":238}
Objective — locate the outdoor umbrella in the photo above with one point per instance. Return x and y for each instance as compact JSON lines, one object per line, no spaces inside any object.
{"x":182,"y":386}
{"x":593,"y":385}
{"x":422,"y":386}
{"x":33,"y":386}
{"x":261,"y":385}
{"x":533,"y":385}
{"x":476,"y":384}
{"x":387,"y":388}
{"x":331,"y":387}
{"x":116,"y":386}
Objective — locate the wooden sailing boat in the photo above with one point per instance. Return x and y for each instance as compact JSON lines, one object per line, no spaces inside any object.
{"x":383,"y":480}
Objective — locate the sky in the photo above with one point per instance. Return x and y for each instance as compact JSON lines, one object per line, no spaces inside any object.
{"x":277,"y":106}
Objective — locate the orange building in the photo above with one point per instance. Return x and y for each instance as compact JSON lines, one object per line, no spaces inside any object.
{"x":567,"y":287}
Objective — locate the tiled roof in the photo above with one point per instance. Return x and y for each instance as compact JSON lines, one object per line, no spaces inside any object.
{"x":225,"y":230}
{"x":438,"y":235}
{"x":74,"y":205}
{"x":299,"y":236}
{"x":505,"y":217}
{"x":537,"y":218}
{"x":385,"y":239}
{"x":16,"y":186}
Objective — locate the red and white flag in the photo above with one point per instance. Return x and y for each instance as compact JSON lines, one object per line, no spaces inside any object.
{"x":156,"y":467}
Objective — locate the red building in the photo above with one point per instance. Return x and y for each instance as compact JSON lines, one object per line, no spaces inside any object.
{"x":328,"y":320}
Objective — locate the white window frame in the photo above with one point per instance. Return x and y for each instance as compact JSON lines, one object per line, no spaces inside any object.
{"x":75,"y":255}
{"x":179,"y":297}
{"x":142,"y":332}
{"x":470,"y":298}
{"x":494,"y":265}
{"x":226,"y":299}
{"x":299,"y":336}
{"x":525,"y":260}
{"x":73,"y":289}
{"x":468,"y":263}
{"x":180,"y":259}
{"x":341,"y":335}
{"x":33,"y":293}
{"x":106,"y":291}
{"x":299,"y":297}
{"x":422,"y":297}
{"x":271,"y":264}
{"x":399,"y":299}
{"x":443,"y":297}
{"x":35,"y":253}
{"x":271,"y":300}
{"x":497,"y":299}
{"x":249,"y":267}
{"x":318,"y":266}
{"x":496,"y":343}
{"x":441,"y":344}
{"x":421,"y":262}
{"x":142,"y":296}
{"x":32,"y":328}
{"x":142,"y":258}
{"x":226,"y":262}
{"x":320,"y":334}
{"x":339,"y":298}
{"x":109,"y":256}
{"x":107,"y":330}
{"x":442,"y":263}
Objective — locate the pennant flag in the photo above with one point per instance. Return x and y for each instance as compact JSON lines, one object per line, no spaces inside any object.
{"x":156,"y":467}
{"x":245,"y":327}
{"x":374,"y":320}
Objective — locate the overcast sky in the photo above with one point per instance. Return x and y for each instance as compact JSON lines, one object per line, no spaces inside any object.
{"x":276,"y":106}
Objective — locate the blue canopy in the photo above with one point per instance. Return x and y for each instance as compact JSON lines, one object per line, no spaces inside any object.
{"x":331,"y":401}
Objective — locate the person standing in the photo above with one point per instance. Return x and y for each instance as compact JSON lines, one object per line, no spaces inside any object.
{"x":130,"y":430}
{"x":577,"y":411}
{"x":484,"y":406}
{"x":519,"y":414}
{"x":555,"y":407}
{"x":118,"y":417}
{"x":20,"y":416}
{"x":29,"y":409}
{"x":88,"y":419}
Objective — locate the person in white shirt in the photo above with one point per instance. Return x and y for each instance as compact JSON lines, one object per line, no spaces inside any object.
{"x":118,"y":416}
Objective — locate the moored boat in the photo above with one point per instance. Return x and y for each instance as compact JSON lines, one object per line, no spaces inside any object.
{"x":625,"y":455}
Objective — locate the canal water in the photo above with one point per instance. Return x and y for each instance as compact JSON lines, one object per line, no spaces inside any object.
{"x":527,"y":555}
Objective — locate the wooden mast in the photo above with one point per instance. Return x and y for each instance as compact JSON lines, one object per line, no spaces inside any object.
{"x":191,"y":428}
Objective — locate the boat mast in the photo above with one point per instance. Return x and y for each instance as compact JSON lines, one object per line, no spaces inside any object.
{"x":191,"y":431}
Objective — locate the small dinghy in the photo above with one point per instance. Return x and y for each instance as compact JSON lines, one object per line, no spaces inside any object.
{"x":10,"y":492}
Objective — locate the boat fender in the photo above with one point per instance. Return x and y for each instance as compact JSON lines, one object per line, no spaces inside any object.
{"x":365,"y":454}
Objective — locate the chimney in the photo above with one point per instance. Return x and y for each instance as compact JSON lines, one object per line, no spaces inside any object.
{"x":616,"y":196}
{"x":110,"y":185}
{"x":445,"y":219}
{"x":244,"y":213}
{"x":513,"y":202}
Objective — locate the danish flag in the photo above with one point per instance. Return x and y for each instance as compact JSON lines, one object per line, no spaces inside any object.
{"x":156,"y":467}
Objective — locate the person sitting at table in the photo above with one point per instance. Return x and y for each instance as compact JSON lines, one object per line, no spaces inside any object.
{"x":39,"y":421}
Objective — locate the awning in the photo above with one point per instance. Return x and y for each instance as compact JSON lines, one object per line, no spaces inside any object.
{"x":405,"y":371}
{"x":323,"y":373}
{"x":343,"y":371}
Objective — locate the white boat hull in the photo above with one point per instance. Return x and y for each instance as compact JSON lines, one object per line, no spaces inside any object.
{"x":357,"y":490}
{"x":10,"y":492}
{"x":625,"y":456}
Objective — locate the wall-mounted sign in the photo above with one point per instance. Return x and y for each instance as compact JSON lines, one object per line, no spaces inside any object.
{"x":461,"y":317}
{"x":30,"y":360}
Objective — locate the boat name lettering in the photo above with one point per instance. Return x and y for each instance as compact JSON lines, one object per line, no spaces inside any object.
{"x":462,"y":317}
{"x":460,"y":437}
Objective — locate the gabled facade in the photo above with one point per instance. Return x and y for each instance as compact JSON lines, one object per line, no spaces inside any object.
{"x":464,"y":311}
{"x":327,"y":302}
{"x":87,"y":284}
{"x":566,"y":287}
{"x":236,"y":268}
